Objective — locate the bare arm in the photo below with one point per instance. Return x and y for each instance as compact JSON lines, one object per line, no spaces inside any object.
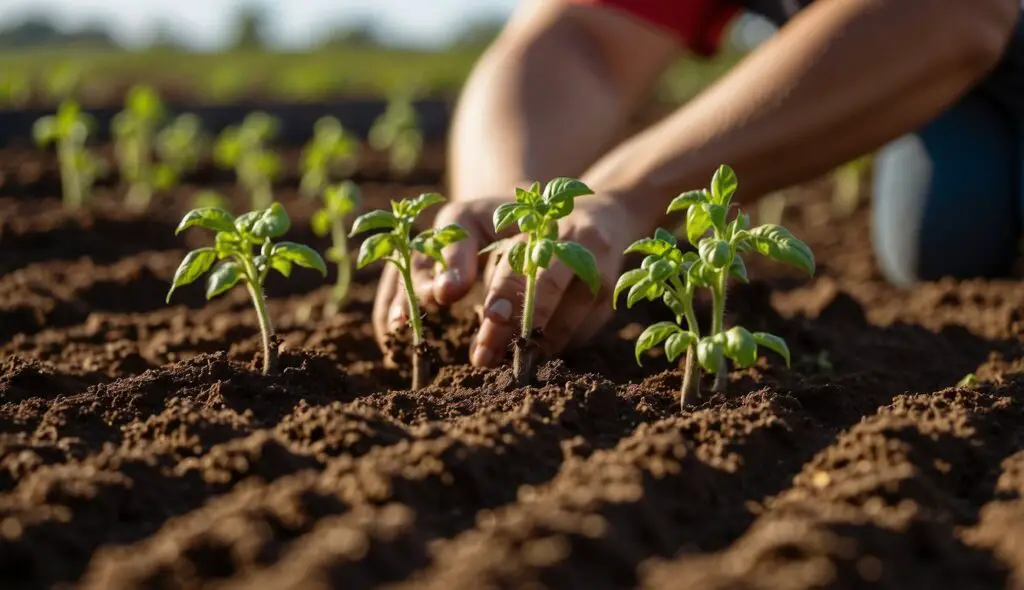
{"x":841,"y":79}
{"x":551,"y":95}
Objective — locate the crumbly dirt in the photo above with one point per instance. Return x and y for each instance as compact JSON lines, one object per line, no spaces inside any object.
{"x":141,"y":448}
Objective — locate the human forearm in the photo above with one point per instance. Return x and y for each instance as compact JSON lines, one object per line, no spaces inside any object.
{"x":549,"y":97}
{"x":841,"y":79}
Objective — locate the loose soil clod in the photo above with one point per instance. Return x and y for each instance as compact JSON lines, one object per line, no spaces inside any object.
{"x":141,"y":447}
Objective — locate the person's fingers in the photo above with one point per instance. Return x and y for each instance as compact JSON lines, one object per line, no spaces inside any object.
{"x":387,"y":288}
{"x":575,"y":320}
{"x":503,"y":309}
{"x":461,"y":257}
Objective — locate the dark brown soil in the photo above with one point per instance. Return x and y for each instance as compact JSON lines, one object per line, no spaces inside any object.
{"x":140,"y":448}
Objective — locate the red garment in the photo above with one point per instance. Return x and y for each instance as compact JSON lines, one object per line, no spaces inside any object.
{"x":698,"y":24}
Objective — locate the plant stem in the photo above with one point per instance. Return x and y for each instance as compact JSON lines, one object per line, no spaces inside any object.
{"x":523,"y":357}
{"x":420,"y":364}
{"x":690,"y":392}
{"x":341,"y":287}
{"x":70,"y":182}
{"x":717,"y":322}
{"x":259,"y":301}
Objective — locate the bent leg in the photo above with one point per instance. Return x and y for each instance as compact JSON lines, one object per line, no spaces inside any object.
{"x":948,"y":198}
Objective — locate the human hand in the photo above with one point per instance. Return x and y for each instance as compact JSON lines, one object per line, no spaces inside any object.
{"x":566,"y":310}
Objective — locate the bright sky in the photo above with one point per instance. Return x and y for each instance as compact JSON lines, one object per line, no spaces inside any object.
{"x":207,"y":22}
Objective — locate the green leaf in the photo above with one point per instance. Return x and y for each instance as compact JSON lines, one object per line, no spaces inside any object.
{"x":673,"y":302}
{"x":517,"y":257}
{"x":717,"y":215}
{"x":661,"y":270}
{"x":227,"y":243}
{"x":677,"y":344}
{"x":775,"y":242}
{"x":272,"y":222}
{"x":450,"y":234}
{"x":697,"y":224}
{"x":715,"y":253}
{"x":300,"y":254}
{"x":223,"y":278}
{"x":652,"y":246}
{"x":529,"y":222}
{"x":506,"y":214}
{"x":541,"y":253}
{"x":426,"y":243}
{"x":495,"y":245}
{"x":374,"y":248}
{"x":343,"y":198}
{"x":45,"y":130}
{"x":191,"y":268}
{"x":524,"y":196}
{"x":738,"y":270}
{"x":563,"y":188}
{"x":665,"y":236}
{"x":686,"y":200}
{"x":709,"y":355}
{"x":417,"y":205}
{"x":740,"y":346}
{"x":211,"y":218}
{"x":581,"y":262}
{"x":282,"y":266}
{"x":628,"y":279}
{"x":639,"y":291}
{"x":653,"y":336}
{"x":373,"y":220}
{"x":321,"y":222}
{"x":723,"y":185}
{"x":773,"y":342}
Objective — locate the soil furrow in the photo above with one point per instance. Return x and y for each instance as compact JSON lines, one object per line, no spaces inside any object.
{"x":881,"y":506}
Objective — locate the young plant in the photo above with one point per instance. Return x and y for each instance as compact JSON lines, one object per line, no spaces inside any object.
{"x":397,"y":132}
{"x":332,"y":150}
{"x":179,"y":146}
{"x":69,"y":129}
{"x":340,"y":201}
{"x":537,"y":213}
{"x":671,"y":275}
{"x":244,"y":149}
{"x":133,"y":130}
{"x":233,"y":245}
{"x":396,"y":246}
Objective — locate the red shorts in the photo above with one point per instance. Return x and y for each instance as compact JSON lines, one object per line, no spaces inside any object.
{"x":698,"y":24}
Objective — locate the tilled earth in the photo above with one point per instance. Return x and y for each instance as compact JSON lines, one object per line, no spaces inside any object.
{"x":140,"y":449}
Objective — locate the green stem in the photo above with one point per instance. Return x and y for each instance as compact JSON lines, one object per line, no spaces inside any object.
{"x":341,"y":286}
{"x":717,"y":322}
{"x":420,"y":363}
{"x":690,"y":391}
{"x":255,"y":286}
{"x":523,"y":356}
{"x":71,"y":184}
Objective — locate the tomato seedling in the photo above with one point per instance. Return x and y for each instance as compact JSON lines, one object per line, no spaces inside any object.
{"x":134,"y":129}
{"x":397,"y":132}
{"x":69,"y":129}
{"x":397,"y":246}
{"x":234,"y":242}
{"x":340,"y":201}
{"x":537,"y":213}
{"x":671,"y":275}
{"x":179,"y":146}
{"x":331,"y":151}
{"x":244,"y":148}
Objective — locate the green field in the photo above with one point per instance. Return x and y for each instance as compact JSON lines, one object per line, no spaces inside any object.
{"x":42,"y":76}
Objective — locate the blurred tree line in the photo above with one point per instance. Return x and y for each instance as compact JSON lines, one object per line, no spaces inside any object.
{"x":251,"y":31}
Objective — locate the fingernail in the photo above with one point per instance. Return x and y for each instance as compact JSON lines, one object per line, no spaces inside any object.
{"x":500,"y":310}
{"x":449,"y":279}
{"x":482,"y":356}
